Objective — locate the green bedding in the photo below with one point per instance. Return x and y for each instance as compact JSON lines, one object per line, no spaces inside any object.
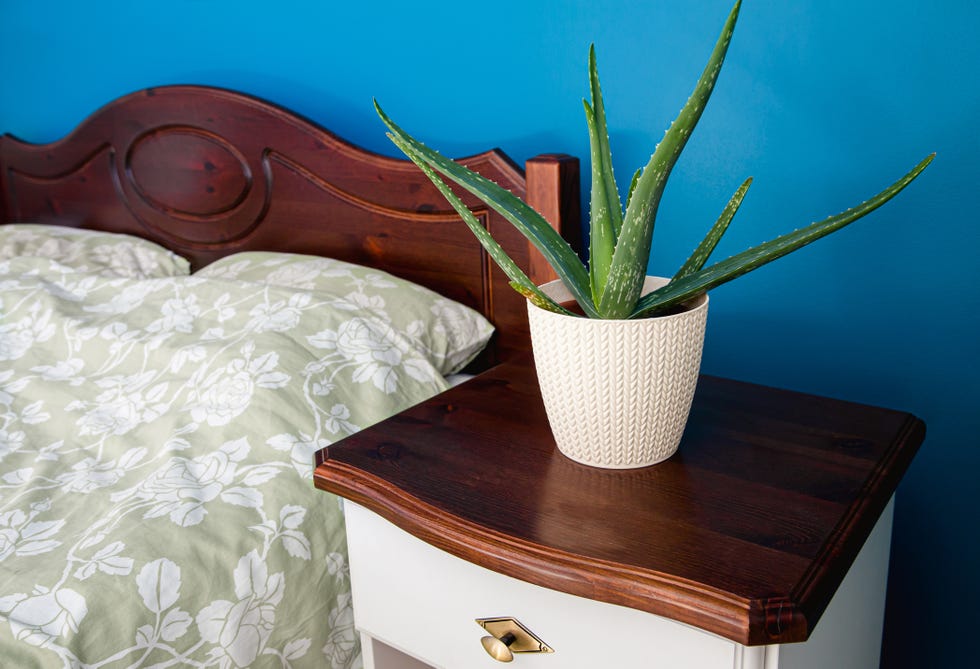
{"x":156,"y":445}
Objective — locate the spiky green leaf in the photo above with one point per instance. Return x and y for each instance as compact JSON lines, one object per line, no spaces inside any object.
{"x":524,"y":218}
{"x":606,"y":214}
{"x":534,"y":297}
{"x":636,"y":177}
{"x":721,"y":272}
{"x":632,"y":254}
{"x":518,"y":279}
{"x":605,"y":168}
{"x":602,"y":229}
{"x":710,"y":241}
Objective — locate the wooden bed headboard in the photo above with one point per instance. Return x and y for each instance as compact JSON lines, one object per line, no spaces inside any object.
{"x":208,"y":172}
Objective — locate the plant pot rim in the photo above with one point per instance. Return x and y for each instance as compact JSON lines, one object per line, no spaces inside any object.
{"x":557,"y":290}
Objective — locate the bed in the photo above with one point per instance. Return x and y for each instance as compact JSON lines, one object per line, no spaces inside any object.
{"x":198,"y":290}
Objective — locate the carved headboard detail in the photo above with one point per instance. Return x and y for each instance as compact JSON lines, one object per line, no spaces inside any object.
{"x":208,"y":172}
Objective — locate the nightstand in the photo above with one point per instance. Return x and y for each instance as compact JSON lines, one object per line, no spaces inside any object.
{"x":774,"y":514}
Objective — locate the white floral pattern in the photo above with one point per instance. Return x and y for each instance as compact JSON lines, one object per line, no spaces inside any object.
{"x":103,"y":253}
{"x":45,"y":616}
{"x":446,"y":333}
{"x":156,"y":440}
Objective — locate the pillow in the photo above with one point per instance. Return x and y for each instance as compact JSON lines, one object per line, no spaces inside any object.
{"x":104,"y":253}
{"x":450,"y":334}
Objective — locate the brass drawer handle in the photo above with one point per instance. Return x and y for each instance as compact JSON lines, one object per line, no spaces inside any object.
{"x":508,"y":636}
{"x":499,"y":649}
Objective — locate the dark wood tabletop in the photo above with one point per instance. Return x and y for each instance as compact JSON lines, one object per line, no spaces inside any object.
{"x":746,"y":532}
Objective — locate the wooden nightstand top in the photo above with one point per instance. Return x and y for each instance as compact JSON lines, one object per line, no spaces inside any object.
{"x":746,"y":532}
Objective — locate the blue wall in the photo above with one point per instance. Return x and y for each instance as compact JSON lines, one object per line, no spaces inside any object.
{"x":824,"y":103}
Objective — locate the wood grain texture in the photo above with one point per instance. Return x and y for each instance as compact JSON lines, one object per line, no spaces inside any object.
{"x":208,"y":172}
{"x":746,"y":532}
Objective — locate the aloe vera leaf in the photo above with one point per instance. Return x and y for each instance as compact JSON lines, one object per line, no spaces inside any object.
{"x":556,"y":251}
{"x":534,"y":297}
{"x":610,"y":189}
{"x":636,"y":177}
{"x":721,"y":272}
{"x":518,"y":279}
{"x":606,"y":215}
{"x":710,"y":241}
{"x":602,"y":229}
{"x":628,"y":270}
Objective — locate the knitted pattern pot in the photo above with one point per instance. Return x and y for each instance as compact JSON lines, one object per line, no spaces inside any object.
{"x":617,"y":392}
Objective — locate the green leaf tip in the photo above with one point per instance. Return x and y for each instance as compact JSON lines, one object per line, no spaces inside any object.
{"x":708,"y":244}
{"x":632,"y":253}
{"x":684,"y":288}
{"x":606,"y":211}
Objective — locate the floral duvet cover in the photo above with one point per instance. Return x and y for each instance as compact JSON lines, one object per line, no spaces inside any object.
{"x":156,"y":445}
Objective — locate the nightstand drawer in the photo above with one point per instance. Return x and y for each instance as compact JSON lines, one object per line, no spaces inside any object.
{"x":425,"y":602}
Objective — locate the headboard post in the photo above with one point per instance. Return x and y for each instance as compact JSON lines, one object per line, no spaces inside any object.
{"x":553,"y":191}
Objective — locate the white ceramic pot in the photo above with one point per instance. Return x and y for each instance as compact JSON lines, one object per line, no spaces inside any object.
{"x":617,"y":392}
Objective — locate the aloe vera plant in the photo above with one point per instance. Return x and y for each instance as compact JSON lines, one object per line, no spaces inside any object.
{"x":620,"y":240}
